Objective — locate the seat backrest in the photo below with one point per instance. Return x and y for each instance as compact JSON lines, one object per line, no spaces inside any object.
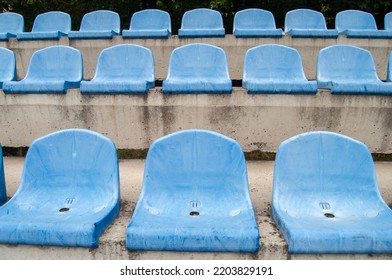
{"x":388,"y":21}
{"x":126,"y":61}
{"x":3,"y":194}
{"x":354,"y":19}
{"x":201,"y":18}
{"x":11,"y":23}
{"x":56,"y":62}
{"x":7,"y":65}
{"x":254,"y":19}
{"x":101,"y":20}
{"x":389,"y":68}
{"x":151,"y":19}
{"x":52,"y":21}
{"x":198,"y":60}
{"x":304,"y":19}
{"x":345,"y":63}
{"x":273,"y":62}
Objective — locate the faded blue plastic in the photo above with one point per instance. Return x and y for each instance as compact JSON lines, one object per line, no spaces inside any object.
{"x":48,"y":26}
{"x":7,"y":66}
{"x":3,"y":193}
{"x":388,"y":21}
{"x":201,"y":22}
{"x":346,"y":69}
{"x":10,"y":25}
{"x":255,"y":23}
{"x":69,"y":192}
{"x":101,"y":24}
{"x":195,"y":197}
{"x":273,"y":68}
{"x":326,"y":198}
{"x":389,"y":68}
{"x":149,"y":23}
{"x":197,"y":68}
{"x":307,"y":23}
{"x":359,"y":24}
{"x":51,"y":70}
{"x":122,"y":69}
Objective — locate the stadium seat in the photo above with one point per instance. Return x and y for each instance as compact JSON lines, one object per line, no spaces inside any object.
{"x":201,"y":22}
{"x":69,"y":192}
{"x":10,"y":25}
{"x":195,"y":197}
{"x":326,"y":199}
{"x":307,"y":23}
{"x":3,"y":193}
{"x":388,"y":21}
{"x":101,"y":24}
{"x":149,"y":23}
{"x":51,"y":70}
{"x":122,"y":69}
{"x":48,"y":26}
{"x":346,"y":69}
{"x":273,"y":68}
{"x":359,"y":24}
{"x":197,"y":68}
{"x":7,"y":66}
{"x":255,"y":23}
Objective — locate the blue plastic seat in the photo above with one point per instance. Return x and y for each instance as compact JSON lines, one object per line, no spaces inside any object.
{"x":51,"y":70}
{"x":10,"y":25}
{"x":48,"y":26}
{"x":7,"y":66}
{"x":359,"y":24}
{"x":389,"y":68}
{"x":69,"y":191}
{"x":101,"y":24}
{"x":388,"y":21}
{"x":197,"y":68}
{"x":326,"y":199}
{"x":275,"y":68}
{"x":149,"y":23}
{"x":195,"y":197}
{"x":307,"y":23}
{"x":201,"y":22}
{"x":3,"y":193}
{"x":346,"y":69}
{"x":255,"y":23}
{"x":122,"y":69}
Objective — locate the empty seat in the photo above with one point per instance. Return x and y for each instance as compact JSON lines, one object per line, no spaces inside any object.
{"x":389,"y":68}
{"x":50,"y":25}
{"x":10,"y":25}
{"x":69,"y":191}
{"x":307,"y":23}
{"x":3,"y":194}
{"x":51,"y":70}
{"x":7,"y":66}
{"x":195,"y":197}
{"x":359,"y":24}
{"x":388,"y":21}
{"x":346,"y":69}
{"x":122,"y":69}
{"x":100,"y":24}
{"x":201,"y":23}
{"x":255,"y":23}
{"x":326,"y":198}
{"x":197,"y":68}
{"x":149,"y":23}
{"x":275,"y":68}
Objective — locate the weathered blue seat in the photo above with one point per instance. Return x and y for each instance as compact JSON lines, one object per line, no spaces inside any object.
{"x":326,"y":198}
{"x":388,"y":21}
{"x":195,"y":197}
{"x":122,"y":69}
{"x":346,"y":69}
{"x":201,"y":22}
{"x":389,"y":68}
{"x":255,"y":23}
{"x":51,"y":70}
{"x":197,"y":68}
{"x":307,"y":23}
{"x":273,"y":68}
{"x":48,"y":26}
{"x":149,"y":23}
{"x":7,"y":66}
{"x":3,"y":193}
{"x":101,"y":24}
{"x":10,"y":25}
{"x":359,"y":24}
{"x":69,"y":191}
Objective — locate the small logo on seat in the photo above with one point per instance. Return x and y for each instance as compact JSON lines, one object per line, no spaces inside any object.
{"x":69,"y":200}
{"x":195,"y":204}
{"x":324,"y":205}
